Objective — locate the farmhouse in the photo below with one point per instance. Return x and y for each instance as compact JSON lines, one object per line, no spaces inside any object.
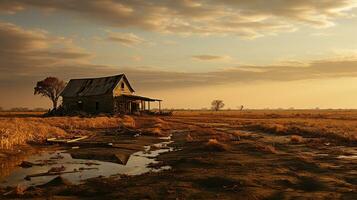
{"x":112,"y":94}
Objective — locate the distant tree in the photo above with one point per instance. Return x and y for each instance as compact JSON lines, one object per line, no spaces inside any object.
{"x":217,"y":105}
{"x":241,"y":107}
{"x":1,"y":109}
{"x":39,"y":109}
{"x":19,"y":109}
{"x":50,"y":87}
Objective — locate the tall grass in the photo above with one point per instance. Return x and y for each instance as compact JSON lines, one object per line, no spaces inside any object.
{"x":332,"y":124}
{"x":17,"y":131}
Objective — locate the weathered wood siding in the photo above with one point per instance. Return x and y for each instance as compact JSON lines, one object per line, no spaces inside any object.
{"x":92,"y":104}
{"x":118,"y":90}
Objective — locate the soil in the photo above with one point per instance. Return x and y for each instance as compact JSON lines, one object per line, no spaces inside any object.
{"x":248,"y":165}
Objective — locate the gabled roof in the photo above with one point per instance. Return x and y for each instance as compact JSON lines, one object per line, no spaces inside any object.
{"x":93,"y":86}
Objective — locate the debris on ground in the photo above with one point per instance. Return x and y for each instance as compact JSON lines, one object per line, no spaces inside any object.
{"x":26,"y":164}
{"x":71,"y":140}
{"x":57,"y":169}
{"x":57,"y":181}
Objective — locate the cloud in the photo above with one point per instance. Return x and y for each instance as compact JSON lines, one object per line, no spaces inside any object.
{"x":248,"y":19}
{"x":319,"y":69}
{"x":209,"y":57}
{"x":126,"y":39}
{"x":29,"y":55}
{"x":27,"y":51}
{"x":136,"y":58}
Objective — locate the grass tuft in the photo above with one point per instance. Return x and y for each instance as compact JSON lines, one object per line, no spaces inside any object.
{"x":189,"y":138}
{"x":296,"y":139}
{"x":215,"y":145}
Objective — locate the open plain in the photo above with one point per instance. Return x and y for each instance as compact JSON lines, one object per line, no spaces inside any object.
{"x":251,"y":154}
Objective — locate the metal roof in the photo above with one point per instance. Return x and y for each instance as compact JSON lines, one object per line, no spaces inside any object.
{"x":93,"y":86}
{"x":135,"y":97}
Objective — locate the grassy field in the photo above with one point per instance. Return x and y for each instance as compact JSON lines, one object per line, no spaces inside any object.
{"x":20,"y":128}
{"x":17,"y":128}
{"x":337,"y":124}
{"x":260,"y":154}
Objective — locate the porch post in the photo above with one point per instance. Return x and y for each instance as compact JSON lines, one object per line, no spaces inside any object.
{"x":149,"y":105}
{"x":159,"y":106}
{"x":129,"y":106}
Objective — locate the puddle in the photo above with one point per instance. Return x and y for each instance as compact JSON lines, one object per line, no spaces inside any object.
{"x":82,"y":169}
{"x":347,"y":157}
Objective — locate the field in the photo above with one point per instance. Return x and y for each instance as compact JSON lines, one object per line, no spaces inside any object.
{"x":258,"y":154}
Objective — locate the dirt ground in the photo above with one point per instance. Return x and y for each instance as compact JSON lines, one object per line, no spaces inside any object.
{"x":235,"y":155}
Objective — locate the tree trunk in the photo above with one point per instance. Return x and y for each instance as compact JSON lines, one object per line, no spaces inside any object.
{"x":54,"y":102}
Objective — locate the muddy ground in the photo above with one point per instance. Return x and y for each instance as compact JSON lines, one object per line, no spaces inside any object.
{"x":213,"y":158}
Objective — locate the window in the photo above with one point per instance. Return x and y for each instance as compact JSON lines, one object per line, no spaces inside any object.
{"x":80,"y":105}
{"x":122,"y":86}
{"x":96,"y":106}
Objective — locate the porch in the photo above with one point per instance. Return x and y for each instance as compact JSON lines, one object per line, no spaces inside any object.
{"x":134,"y":104}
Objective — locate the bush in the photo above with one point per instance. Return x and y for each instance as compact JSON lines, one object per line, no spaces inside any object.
{"x":215,"y":145}
{"x":296,"y":139}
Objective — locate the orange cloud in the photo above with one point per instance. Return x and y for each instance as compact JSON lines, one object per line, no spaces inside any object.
{"x":31,"y":51}
{"x":210,"y":57}
{"x":126,"y":39}
{"x":249,"y":19}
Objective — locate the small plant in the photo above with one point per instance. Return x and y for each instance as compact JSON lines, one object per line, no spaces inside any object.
{"x":215,"y":145}
{"x":267,"y":148}
{"x":189,"y":138}
{"x":296,"y":139}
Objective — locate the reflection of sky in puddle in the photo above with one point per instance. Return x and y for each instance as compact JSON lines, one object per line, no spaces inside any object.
{"x":347,"y":157}
{"x":137,"y":164}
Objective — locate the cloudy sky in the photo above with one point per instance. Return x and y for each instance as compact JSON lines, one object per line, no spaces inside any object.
{"x":257,"y":53}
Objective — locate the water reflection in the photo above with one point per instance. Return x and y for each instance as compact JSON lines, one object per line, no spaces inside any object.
{"x":79,"y":169}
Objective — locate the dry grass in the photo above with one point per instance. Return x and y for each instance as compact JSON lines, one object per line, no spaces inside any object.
{"x":18,"y":131}
{"x":189,"y":138}
{"x":240,"y":134}
{"x":296,"y":139}
{"x":73,"y":123}
{"x":154,"y":132}
{"x":345,"y":130}
{"x":128,"y":122}
{"x":21,"y":114}
{"x":215,"y":145}
{"x":152,"y":126}
{"x":333,"y":124}
{"x":267,"y":148}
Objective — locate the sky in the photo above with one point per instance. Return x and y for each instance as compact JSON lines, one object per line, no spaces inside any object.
{"x":256,"y":53}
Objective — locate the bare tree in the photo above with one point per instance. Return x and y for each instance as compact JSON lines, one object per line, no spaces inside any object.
{"x":50,"y":87}
{"x":217,"y":105}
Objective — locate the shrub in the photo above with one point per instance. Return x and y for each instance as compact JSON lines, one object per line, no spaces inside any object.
{"x":215,"y":145}
{"x":267,"y":148}
{"x":296,"y":139}
{"x":128,"y":122}
{"x":189,"y":138}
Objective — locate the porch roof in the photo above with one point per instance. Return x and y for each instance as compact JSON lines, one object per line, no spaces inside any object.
{"x":135,"y":97}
